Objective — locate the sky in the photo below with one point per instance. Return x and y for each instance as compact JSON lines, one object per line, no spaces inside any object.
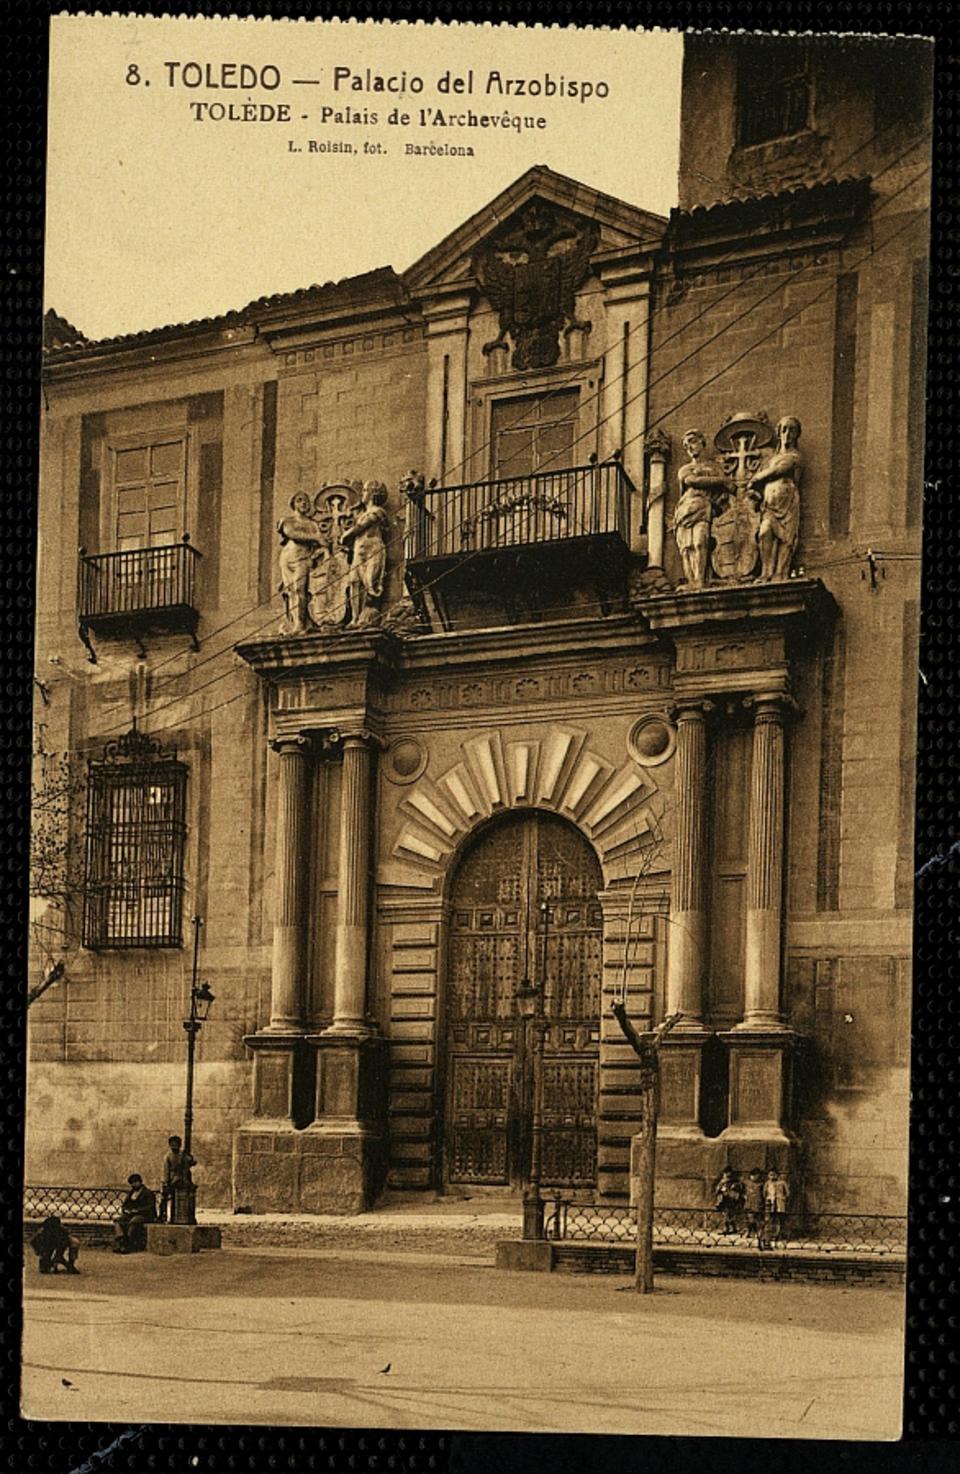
{"x":158,"y":211}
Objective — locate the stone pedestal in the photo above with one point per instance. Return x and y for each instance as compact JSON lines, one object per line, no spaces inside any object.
{"x":761,"y":1069}
{"x":343,"y":1153}
{"x":181,"y":1238}
{"x":266,"y":1174}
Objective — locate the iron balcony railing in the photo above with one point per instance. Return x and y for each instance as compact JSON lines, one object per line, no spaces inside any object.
{"x":137,"y":582}
{"x":859,"y":1233}
{"x":517,"y":511}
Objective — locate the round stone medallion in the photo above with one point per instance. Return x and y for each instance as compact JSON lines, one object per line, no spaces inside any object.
{"x":652,"y":739}
{"x":404,"y":760}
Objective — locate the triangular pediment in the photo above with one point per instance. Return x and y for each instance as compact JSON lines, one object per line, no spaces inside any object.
{"x":610,"y":225}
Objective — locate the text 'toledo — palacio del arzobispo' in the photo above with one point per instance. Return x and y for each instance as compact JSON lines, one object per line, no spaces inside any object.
{"x":546,"y":616}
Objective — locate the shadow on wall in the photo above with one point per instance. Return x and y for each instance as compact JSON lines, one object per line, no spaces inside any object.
{"x":856,"y":1147}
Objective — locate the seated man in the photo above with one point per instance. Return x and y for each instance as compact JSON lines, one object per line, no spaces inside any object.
{"x":138,"y":1208}
{"x":54,"y":1247}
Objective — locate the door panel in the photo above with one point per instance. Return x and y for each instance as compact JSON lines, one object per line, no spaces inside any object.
{"x":524,"y":907}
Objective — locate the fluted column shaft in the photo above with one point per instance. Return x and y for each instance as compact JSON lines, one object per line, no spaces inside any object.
{"x":353,"y":901}
{"x":688,"y":883}
{"x":292,"y":871}
{"x":765,"y":867}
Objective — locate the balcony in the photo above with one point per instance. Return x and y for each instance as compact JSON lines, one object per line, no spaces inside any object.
{"x":138,"y":592}
{"x":522,"y":547}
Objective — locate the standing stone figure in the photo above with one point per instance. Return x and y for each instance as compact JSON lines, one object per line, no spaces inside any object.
{"x":299,"y":547}
{"x":776,"y":490}
{"x":647,"y":1049}
{"x":702,"y":487}
{"x":366,"y":542}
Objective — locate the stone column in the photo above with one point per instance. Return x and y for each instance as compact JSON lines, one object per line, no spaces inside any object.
{"x":353,"y":899}
{"x":266,"y":1163}
{"x":687,"y":954}
{"x":765,"y":867}
{"x":292,"y":879}
{"x":761,"y":1047}
{"x":681,"y":1057}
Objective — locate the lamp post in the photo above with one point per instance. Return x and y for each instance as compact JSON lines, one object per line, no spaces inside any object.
{"x":530,"y":1007}
{"x":185,"y":1194}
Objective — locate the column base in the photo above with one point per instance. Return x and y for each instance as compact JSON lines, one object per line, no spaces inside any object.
{"x":760,"y":1094}
{"x":266,"y":1167}
{"x":681,"y":1080}
{"x":344,"y":1150}
{"x":280,"y":1061}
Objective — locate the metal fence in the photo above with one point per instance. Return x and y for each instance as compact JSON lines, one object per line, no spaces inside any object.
{"x":73,"y":1204}
{"x":859,"y":1233}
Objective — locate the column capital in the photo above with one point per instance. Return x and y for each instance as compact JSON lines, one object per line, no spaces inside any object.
{"x":360,"y":737}
{"x":299,"y":742}
{"x":772,"y":705}
{"x":691,"y":708}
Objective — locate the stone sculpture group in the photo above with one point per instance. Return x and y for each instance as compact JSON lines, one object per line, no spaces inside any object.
{"x":333,"y":557}
{"x":740,"y":509}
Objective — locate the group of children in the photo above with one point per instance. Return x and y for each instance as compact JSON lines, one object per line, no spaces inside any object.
{"x":756,"y":1205}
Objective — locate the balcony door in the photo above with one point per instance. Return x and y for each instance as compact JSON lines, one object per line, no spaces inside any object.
{"x":524,"y":905}
{"x":534,"y":433}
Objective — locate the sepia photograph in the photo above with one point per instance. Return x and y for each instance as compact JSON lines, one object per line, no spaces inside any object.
{"x":475,"y":727}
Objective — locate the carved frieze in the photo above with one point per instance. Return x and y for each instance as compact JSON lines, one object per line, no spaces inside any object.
{"x":451,"y":695}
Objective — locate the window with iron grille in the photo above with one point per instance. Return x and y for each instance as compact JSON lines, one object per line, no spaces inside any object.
{"x":773,"y":90}
{"x":136,"y":831}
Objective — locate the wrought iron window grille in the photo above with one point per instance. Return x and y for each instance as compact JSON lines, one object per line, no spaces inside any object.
{"x":135,"y":841}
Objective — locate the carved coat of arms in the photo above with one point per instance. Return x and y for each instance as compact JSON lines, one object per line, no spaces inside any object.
{"x":531,"y":270}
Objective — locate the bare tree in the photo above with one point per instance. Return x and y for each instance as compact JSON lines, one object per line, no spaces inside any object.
{"x":56,"y":877}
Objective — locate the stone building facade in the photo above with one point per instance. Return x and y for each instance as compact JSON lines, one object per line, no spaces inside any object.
{"x":501,"y":733}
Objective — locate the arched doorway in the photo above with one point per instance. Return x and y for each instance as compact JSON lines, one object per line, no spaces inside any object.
{"x":523,"y":906}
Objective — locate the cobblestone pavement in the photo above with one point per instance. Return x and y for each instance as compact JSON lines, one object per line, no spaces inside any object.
{"x":369,"y":1337}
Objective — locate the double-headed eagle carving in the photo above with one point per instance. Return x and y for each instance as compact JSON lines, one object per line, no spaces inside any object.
{"x":530,"y":270}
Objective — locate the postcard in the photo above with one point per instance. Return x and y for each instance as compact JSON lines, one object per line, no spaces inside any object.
{"x":476,"y":700}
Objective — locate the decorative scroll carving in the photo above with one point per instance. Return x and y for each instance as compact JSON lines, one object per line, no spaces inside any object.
{"x":531,"y":269}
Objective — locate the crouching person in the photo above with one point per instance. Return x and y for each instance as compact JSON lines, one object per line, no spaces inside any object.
{"x":55,"y":1247}
{"x":138,"y":1208}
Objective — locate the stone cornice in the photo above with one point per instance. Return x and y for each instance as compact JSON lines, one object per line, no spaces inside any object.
{"x":342,"y":653}
{"x":720,"y":605}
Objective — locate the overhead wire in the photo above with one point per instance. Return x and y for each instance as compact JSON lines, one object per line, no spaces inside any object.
{"x":870,"y":253}
{"x":592,"y":430}
{"x":575,"y":378}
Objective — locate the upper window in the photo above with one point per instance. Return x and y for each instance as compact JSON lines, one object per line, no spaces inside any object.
{"x":149,"y":483}
{"x":773,"y":89}
{"x":136,"y":831}
{"x":535,"y":433}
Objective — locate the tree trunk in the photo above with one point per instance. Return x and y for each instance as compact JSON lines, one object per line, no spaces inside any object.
{"x":646,"y":1172}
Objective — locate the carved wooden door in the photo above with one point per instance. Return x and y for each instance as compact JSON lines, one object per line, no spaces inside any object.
{"x":524,"y":906}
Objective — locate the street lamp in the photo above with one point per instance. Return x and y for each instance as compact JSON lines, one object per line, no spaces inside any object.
{"x":530,"y":1007}
{"x":185,"y":1194}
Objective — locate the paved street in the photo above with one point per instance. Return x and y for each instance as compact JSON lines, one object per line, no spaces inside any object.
{"x":373,"y":1338}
